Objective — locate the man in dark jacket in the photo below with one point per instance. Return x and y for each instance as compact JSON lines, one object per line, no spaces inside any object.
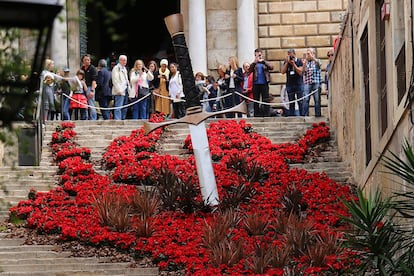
{"x":103,"y":91}
{"x":261,"y":78}
{"x":293,"y":67}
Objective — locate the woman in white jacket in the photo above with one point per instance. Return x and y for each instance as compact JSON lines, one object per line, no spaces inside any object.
{"x":139,"y":77}
{"x":175,"y":88}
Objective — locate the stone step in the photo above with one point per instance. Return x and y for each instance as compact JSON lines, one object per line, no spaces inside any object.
{"x":7,"y":242}
{"x":25,"y":248}
{"x":96,"y":272}
{"x":80,"y":266}
{"x":48,"y":261}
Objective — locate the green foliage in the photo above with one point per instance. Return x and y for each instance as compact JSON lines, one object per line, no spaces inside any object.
{"x":384,"y":244}
{"x":13,"y":62}
{"x":381,"y":243}
{"x":404,"y":170}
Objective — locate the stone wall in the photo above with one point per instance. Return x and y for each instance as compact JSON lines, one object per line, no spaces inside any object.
{"x":298,"y":25}
{"x":347,"y":102}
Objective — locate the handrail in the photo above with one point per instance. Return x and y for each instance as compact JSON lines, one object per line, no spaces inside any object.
{"x":39,"y":122}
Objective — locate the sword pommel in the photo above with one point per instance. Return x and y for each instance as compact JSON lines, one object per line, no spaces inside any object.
{"x":174,"y":23}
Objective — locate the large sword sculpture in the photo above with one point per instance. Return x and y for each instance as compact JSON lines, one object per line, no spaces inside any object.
{"x":195,"y":116}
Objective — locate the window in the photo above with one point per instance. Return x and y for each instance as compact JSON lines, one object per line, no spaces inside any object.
{"x":398,"y":20}
{"x":401,"y":74}
{"x":365,"y":75}
{"x":381,"y":68}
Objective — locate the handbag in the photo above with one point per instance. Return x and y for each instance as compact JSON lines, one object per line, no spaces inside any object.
{"x":143,"y":91}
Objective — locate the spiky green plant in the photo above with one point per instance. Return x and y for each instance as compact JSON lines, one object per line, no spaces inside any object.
{"x":374,"y":234}
{"x":404,"y":169}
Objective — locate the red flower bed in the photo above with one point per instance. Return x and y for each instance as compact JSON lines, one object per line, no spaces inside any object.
{"x":177,"y":240}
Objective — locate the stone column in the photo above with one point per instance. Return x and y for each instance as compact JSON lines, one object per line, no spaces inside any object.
{"x":59,"y":39}
{"x":197,"y":41}
{"x":246,"y":30}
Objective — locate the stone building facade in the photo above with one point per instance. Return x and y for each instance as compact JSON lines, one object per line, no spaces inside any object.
{"x":371,"y":79}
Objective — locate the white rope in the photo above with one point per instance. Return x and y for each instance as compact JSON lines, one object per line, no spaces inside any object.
{"x":245,"y":97}
{"x":277,"y":104}
{"x":107,"y":108}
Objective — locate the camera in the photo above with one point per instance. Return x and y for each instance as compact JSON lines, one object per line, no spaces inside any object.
{"x":291,"y":57}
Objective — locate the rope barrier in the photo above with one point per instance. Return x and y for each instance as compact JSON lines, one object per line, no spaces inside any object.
{"x":107,"y":108}
{"x":183,"y":100}
{"x":277,"y":104}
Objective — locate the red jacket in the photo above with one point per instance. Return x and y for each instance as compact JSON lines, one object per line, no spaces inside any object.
{"x":249,"y":91}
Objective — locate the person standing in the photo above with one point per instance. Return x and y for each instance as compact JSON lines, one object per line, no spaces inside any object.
{"x":103,"y":90}
{"x":330,"y":55}
{"x":247,"y":88}
{"x":120,"y":88}
{"x":175,"y":88}
{"x":140,"y":76}
{"x":152,"y":67}
{"x":213,"y":92}
{"x":235,"y":80}
{"x":200,"y":84}
{"x":293,"y":67}
{"x":91,"y":74}
{"x":66,"y":93}
{"x":312,"y":82}
{"x":48,"y":96}
{"x":161,"y":97}
{"x":223,"y":85}
{"x":260,"y":68}
{"x":78,"y":104}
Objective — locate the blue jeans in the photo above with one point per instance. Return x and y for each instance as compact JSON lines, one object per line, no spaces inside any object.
{"x":91,"y":102}
{"x":65,"y":109}
{"x":294,"y":93}
{"x":139,"y":109}
{"x":143,"y":109}
{"x":118,"y":102}
{"x":104,"y":103}
{"x":307,"y":90}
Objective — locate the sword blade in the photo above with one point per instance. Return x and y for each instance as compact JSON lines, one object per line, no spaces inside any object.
{"x":204,"y":164}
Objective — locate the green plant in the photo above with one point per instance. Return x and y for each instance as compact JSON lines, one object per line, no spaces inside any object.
{"x":404,"y":201}
{"x":374,"y":236}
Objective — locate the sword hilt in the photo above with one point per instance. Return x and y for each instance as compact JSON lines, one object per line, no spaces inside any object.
{"x":175,"y":27}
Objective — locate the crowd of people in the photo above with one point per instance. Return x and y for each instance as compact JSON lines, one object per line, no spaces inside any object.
{"x":303,"y":82}
{"x":119,"y":93}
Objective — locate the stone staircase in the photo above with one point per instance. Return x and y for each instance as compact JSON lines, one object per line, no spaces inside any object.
{"x":17,"y":181}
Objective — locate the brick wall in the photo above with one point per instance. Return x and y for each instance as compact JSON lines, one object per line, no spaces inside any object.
{"x":297,"y":24}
